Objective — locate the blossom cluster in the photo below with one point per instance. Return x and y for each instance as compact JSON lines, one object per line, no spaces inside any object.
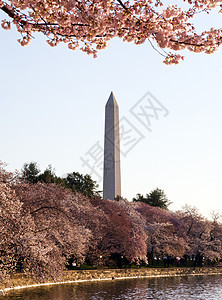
{"x":89,"y":25}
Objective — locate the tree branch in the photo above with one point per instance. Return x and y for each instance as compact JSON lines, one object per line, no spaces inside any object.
{"x":9,"y":12}
{"x":50,"y":207}
{"x":122,"y":4}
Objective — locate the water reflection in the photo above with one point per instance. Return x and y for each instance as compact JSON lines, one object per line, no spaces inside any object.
{"x":189,"y":287}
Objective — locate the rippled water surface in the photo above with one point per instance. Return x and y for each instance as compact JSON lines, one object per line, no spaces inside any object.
{"x":189,"y":287}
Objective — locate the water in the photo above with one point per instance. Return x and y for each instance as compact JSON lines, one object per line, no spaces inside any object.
{"x":187,"y":287}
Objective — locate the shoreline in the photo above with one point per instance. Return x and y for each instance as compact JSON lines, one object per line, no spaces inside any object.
{"x":22,"y":281}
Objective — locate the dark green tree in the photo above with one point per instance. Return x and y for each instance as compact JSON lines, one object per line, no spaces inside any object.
{"x":75,"y":181}
{"x":48,"y":176}
{"x":30,"y":172}
{"x":139,"y":197}
{"x":118,"y":197}
{"x":156,"y":197}
{"x":82,"y":184}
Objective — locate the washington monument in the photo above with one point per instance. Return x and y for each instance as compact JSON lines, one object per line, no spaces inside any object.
{"x":111,"y":171}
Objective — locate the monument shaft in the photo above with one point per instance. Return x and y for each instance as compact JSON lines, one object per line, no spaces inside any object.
{"x":111,"y":171}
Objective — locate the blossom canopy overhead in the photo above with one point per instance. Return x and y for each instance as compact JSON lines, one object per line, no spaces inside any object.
{"x":90,"y":24}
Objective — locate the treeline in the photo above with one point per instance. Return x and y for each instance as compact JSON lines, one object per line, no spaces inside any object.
{"x":45,"y":228}
{"x":84,"y":184}
{"x":75,"y":181}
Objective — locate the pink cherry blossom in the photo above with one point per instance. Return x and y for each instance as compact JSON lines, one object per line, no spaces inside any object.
{"x":89,"y":26}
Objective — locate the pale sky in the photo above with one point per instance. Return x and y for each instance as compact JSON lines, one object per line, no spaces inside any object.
{"x":52,"y":109}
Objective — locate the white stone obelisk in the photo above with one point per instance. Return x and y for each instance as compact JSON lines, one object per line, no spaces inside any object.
{"x":111,"y":171}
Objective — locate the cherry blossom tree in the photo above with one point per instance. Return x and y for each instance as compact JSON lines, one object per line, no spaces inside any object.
{"x":44,"y":226}
{"x":116,"y":236}
{"x":139,"y":235}
{"x":203,"y":236}
{"x":50,"y":206}
{"x":162,"y":230}
{"x":37,"y":228}
{"x":20,"y":241}
{"x":90,"y":25}
{"x":10,"y":217}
